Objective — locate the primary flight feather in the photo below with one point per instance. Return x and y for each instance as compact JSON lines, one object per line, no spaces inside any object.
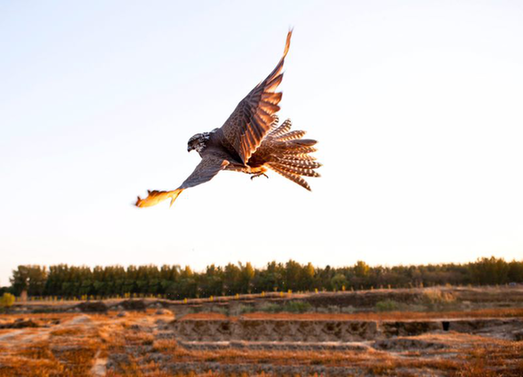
{"x":250,"y":141}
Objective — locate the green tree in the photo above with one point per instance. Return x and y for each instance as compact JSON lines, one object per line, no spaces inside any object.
{"x":74,"y":281}
{"x":338,"y":281}
{"x":169,"y":276}
{"x":211,"y":283}
{"x":246,"y":277}
{"x":231,"y":279}
{"x":271,"y":278}
{"x":292,"y":275}
{"x":187,"y":286}
{"x":307,"y":277}
{"x":30,"y":278}
{"x":489,"y":271}
{"x":324,"y":277}
{"x":361,"y":269}
{"x":515,"y":272}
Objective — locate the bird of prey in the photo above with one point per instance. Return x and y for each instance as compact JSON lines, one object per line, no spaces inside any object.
{"x":250,"y":141}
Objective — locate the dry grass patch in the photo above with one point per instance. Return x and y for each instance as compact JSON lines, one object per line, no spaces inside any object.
{"x":208,"y":316}
{"x":164,"y":345}
{"x":67,"y":331}
{"x":502,"y":358}
{"x":133,"y":346}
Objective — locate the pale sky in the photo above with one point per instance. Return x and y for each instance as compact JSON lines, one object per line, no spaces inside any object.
{"x":417,"y":107}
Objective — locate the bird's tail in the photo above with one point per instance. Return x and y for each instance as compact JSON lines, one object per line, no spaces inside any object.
{"x":155,"y":197}
{"x":292,"y":157}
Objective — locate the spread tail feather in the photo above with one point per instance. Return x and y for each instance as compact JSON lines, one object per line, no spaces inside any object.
{"x":290,"y":156}
{"x":155,"y":197}
{"x":299,"y":156}
{"x":293,"y":169}
{"x":299,"y":150}
{"x":293,"y":177}
{"x":300,"y":162}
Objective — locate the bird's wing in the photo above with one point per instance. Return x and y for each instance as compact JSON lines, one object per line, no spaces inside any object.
{"x":208,"y":167}
{"x":253,"y":117}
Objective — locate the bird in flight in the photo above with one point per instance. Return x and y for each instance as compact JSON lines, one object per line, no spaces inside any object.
{"x":251,"y":142}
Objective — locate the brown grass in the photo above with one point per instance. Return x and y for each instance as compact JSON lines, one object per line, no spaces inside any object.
{"x":66,"y":332}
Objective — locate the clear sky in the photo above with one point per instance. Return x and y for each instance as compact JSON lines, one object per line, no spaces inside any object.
{"x":417,"y":106}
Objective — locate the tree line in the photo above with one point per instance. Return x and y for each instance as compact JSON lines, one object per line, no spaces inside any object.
{"x":175,"y":282}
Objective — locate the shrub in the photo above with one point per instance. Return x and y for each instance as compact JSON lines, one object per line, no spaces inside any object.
{"x":329,"y":309}
{"x":297,"y":307}
{"x":437,"y":296}
{"x":217,"y":309}
{"x":348,"y":309}
{"x":243,"y":309}
{"x":270,"y":308}
{"x":387,"y":305}
{"x":7,"y":300}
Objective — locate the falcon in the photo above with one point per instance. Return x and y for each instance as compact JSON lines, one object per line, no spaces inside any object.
{"x":251,"y":142}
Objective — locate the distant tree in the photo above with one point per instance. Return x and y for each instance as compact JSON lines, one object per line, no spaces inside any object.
{"x":272,"y":277}
{"x":307,"y":277}
{"x":515,"y":272}
{"x":75,"y":281}
{"x":5,"y":290}
{"x":292,"y":275}
{"x":246,"y":277}
{"x":361,"y":269}
{"x":188,"y":285}
{"x":53,"y":284}
{"x":30,"y":278}
{"x":324,"y":277}
{"x":116,"y":275}
{"x":489,"y":271}
{"x":231,"y":279}
{"x":169,"y":277}
{"x":338,"y":281}
{"x":415,"y":276}
{"x":211,"y":283}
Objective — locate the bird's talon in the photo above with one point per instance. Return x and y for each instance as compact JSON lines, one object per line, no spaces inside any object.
{"x":255,"y":175}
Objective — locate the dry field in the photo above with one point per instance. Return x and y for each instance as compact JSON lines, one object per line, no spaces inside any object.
{"x":152,"y":342}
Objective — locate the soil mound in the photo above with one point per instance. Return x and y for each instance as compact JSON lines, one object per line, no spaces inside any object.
{"x":406,"y":344}
{"x":92,"y":307}
{"x":19,"y":324}
{"x":133,"y":305}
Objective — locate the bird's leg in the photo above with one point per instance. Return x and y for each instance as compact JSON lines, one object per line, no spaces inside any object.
{"x":257,"y":174}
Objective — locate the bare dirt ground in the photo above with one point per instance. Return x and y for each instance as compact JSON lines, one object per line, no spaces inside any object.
{"x":457,"y":337}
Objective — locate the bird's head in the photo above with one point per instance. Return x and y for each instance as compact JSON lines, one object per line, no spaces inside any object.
{"x":197,"y":142}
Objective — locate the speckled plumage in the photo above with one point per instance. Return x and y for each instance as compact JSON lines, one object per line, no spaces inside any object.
{"x":250,"y":141}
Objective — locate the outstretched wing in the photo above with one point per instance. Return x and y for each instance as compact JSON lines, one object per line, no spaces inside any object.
{"x":208,"y":167}
{"x":253,"y":117}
